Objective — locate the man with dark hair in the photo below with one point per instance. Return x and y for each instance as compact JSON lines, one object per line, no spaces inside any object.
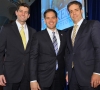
{"x":16,"y":38}
{"x":83,"y":52}
{"x":47,"y":64}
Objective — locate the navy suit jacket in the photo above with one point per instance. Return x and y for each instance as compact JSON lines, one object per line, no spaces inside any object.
{"x":43,"y":59}
{"x":86,"y":51}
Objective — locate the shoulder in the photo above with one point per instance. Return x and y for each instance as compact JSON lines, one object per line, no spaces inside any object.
{"x":32,"y":29}
{"x":39,"y":34}
{"x":90,"y":22}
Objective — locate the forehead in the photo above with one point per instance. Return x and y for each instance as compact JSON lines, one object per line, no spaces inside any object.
{"x":23,"y":8}
{"x":73,"y":6}
{"x":50,"y":13}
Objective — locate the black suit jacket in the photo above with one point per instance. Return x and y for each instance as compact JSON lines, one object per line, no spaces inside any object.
{"x":86,"y":52}
{"x":16,"y":61}
{"x":43,"y":59}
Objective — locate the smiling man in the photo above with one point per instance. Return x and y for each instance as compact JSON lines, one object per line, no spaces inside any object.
{"x":15,"y":39}
{"x":47,"y":64}
{"x":83,"y":52}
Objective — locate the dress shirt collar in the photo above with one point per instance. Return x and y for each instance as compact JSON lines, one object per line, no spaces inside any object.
{"x":19,"y":25}
{"x":50,"y":31}
{"x":80,"y":22}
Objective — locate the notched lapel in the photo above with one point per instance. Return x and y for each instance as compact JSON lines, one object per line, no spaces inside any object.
{"x":47,"y":37}
{"x":30,"y":37}
{"x":61,"y":38}
{"x":79,"y":34}
{"x":19,"y":40}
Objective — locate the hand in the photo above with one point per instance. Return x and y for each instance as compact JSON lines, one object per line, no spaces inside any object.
{"x":2,"y":80}
{"x":95,"y":80}
{"x":34,"y":86}
{"x":67,"y":79}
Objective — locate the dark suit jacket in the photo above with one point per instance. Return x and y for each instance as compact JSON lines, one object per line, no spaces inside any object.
{"x":43,"y":59}
{"x":16,"y":62}
{"x":86,"y":52}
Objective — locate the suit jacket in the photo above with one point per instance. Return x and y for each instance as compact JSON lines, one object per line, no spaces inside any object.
{"x":16,"y":61}
{"x":43,"y":59}
{"x":86,"y":52}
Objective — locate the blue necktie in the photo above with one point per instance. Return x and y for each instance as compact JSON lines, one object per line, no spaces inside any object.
{"x":55,"y":44}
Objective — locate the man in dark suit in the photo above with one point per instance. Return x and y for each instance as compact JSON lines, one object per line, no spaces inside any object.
{"x":15,"y":39}
{"x":83,"y":51}
{"x":47,"y":63}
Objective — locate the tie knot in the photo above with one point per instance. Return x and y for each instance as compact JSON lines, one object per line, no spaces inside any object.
{"x":53,"y":33}
{"x":22,"y":27}
{"x":75,"y":26}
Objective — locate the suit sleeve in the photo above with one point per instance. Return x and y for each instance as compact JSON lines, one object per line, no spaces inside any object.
{"x":95,"y":35}
{"x":33,"y":58}
{"x":3,"y":35}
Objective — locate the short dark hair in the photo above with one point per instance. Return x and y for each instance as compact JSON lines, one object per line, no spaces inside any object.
{"x":50,"y":10}
{"x":74,"y":2}
{"x":24,"y":5}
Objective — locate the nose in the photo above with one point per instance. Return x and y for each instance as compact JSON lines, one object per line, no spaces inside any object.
{"x":74,"y":12}
{"x":23,"y":13}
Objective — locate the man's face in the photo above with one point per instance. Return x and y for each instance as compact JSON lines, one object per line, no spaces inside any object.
{"x":51,"y":20}
{"x":75,"y":13}
{"x":22,"y":14}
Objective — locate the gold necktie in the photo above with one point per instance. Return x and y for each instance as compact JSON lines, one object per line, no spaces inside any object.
{"x":22,"y":33}
{"x":74,"y":34}
{"x":73,"y":39}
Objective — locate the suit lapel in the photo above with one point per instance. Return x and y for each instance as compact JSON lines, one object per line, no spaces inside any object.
{"x":69,"y":36}
{"x":30,"y":36}
{"x":47,"y":37}
{"x":15,"y":29}
{"x":61,"y":41}
{"x":79,"y":34}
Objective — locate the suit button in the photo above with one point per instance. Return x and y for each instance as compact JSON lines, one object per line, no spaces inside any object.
{"x":73,"y":53}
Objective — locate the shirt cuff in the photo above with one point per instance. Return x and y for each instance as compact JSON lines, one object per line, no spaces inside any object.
{"x":97,"y":73}
{"x":34,"y":81}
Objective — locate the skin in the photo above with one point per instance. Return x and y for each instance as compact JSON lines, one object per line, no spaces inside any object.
{"x":22,"y":15}
{"x":76,"y":15}
{"x":51,"y":20}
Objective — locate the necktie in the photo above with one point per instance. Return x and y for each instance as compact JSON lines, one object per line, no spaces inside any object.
{"x":22,"y":33}
{"x":73,"y":39}
{"x":74,"y":34}
{"x":55,"y":44}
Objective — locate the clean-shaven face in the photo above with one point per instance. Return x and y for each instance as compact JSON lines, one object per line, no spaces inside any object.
{"x":51,"y":20}
{"x":22,"y":14}
{"x":75,"y":13}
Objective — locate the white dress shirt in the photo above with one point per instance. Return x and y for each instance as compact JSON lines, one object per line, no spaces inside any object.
{"x":56,"y":34}
{"x":25,"y":29}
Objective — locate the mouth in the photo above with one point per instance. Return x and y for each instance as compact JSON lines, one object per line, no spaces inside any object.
{"x":51,"y":23}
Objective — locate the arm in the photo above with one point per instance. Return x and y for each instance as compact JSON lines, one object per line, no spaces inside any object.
{"x":3,"y":36}
{"x":95,"y":35}
{"x":33,"y":63}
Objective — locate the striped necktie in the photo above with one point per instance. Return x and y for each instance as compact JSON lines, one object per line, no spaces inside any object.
{"x":55,"y":44}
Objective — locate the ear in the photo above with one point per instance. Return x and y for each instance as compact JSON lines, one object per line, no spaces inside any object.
{"x":28,"y":15}
{"x":81,"y":11}
{"x":57,"y":19}
{"x":44,"y":21}
{"x":16,"y":12}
